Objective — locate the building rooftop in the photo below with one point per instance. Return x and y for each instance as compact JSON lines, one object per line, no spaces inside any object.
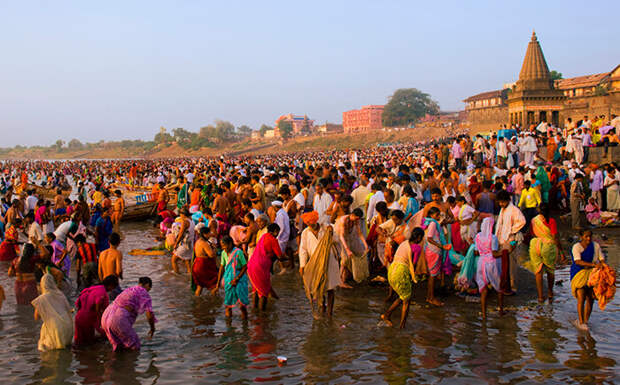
{"x":484,"y":95}
{"x":581,"y":81}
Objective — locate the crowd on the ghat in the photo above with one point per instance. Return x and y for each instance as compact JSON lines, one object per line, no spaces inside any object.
{"x":444,"y":213}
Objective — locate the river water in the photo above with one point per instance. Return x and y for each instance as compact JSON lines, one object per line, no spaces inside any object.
{"x":194,"y":343}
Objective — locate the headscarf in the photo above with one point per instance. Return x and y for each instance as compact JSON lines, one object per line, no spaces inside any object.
{"x":543,"y":178}
{"x":486,"y":228}
{"x":310,"y":218}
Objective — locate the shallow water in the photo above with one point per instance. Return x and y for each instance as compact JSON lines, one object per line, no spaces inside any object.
{"x":194,"y":343}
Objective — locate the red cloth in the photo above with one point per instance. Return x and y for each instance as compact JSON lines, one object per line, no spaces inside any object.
{"x":505,"y":276}
{"x":260,"y":263}
{"x":86,"y":318}
{"x":8,"y":251}
{"x":205,"y":272}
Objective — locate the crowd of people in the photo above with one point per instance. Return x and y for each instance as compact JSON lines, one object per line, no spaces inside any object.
{"x":447,"y":214}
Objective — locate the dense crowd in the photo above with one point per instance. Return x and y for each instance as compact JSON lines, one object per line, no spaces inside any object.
{"x":443,"y":213}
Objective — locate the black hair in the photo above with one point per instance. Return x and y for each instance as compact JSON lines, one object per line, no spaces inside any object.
{"x":358,"y":213}
{"x":80,"y":238}
{"x":115,"y":239}
{"x":433,"y":210}
{"x":145,"y":281}
{"x":273,"y":228}
{"x":111,"y":281}
{"x":503,"y":196}
{"x":435,"y":190}
{"x":416,"y":235}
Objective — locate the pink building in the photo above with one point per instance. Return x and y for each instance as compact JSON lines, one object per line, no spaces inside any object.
{"x":365,"y":119}
{"x":301,"y":124}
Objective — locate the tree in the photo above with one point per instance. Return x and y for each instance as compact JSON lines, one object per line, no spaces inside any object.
{"x":285,"y":127}
{"x":244,"y":130}
{"x":406,"y":106}
{"x":181,"y":134}
{"x":75,"y":144}
{"x":264,"y":128}
{"x":224,"y":130}
{"x":162,"y":136}
{"x":58,"y":145}
{"x":555,"y":75}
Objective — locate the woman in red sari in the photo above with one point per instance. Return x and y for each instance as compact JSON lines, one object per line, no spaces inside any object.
{"x":9,"y":248}
{"x":90,"y":306}
{"x":259,"y":266}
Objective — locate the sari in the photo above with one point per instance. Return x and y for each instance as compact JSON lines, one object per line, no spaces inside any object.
{"x":237,"y":294}
{"x":543,"y":250}
{"x":467,"y":275}
{"x":439,"y":260}
{"x":118,"y":318}
{"x":259,"y":266}
{"x":9,"y":249}
{"x":86,"y":319}
{"x":488,"y":272}
{"x":545,"y":185}
{"x":55,"y":311}
{"x":580,"y":275}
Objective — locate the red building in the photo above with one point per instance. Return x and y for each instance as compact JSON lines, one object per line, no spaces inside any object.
{"x":365,"y":119}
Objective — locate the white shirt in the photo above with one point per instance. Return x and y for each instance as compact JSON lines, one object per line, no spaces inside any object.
{"x":321,"y":204}
{"x":578,"y":249}
{"x":372,"y":203}
{"x":62,"y":231}
{"x":283,"y":221}
{"x":359,"y":197}
{"x":35,"y":232}
{"x":31,"y":203}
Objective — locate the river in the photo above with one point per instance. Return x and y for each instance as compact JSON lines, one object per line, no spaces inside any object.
{"x":194,"y":343}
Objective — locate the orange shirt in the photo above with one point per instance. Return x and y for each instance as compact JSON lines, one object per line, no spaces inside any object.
{"x":195,"y":198}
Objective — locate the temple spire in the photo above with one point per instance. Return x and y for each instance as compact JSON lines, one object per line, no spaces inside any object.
{"x":534,"y":71}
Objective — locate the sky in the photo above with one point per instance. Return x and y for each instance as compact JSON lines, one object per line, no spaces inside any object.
{"x":115,"y":70}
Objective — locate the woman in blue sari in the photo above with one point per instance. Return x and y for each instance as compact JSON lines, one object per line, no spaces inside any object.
{"x":412,"y":206}
{"x":585,"y":254}
{"x":233,"y":268}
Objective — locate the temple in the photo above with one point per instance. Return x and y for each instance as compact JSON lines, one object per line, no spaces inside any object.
{"x":536,"y":97}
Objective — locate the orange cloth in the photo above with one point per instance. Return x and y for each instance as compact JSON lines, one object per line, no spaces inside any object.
{"x":310,"y":218}
{"x":603,"y":282}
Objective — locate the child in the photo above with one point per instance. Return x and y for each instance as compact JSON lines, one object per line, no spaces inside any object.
{"x":401,"y":273}
{"x":433,"y":252}
{"x":489,"y":265}
{"x":596,"y":217}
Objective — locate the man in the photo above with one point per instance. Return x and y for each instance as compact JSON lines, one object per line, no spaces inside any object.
{"x":162,"y":198}
{"x":111,"y":262}
{"x":34,"y":229}
{"x":376,"y":197}
{"x":596,"y":184}
{"x":86,"y":262}
{"x":457,"y":153}
{"x":576,"y":197}
{"x":317,"y":245}
{"x":31,"y":201}
{"x":103,"y":230}
{"x":322,"y":201}
{"x":529,"y":149}
{"x":353,"y":247}
{"x":283,"y":221}
{"x":444,"y":207}
{"x":119,"y":209}
{"x":529,"y":202}
{"x":508,"y":232}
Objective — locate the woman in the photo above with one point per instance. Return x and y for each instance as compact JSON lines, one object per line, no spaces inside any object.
{"x":545,"y":185}
{"x":9,"y":248}
{"x":54,"y":309}
{"x":489,"y":265}
{"x":118,"y":318}
{"x":233,"y":268}
{"x":90,"y":306}
{"x":612,"y":184}
{"x":584,"y":253}
{"x":545,"y":248}
{"x":204,"y":266}
{"x":434,"y":253}
{"x":22,"y":269}
{"x":402,"y":272}
{"x":259,"y":266}
{"x":410,"y":204}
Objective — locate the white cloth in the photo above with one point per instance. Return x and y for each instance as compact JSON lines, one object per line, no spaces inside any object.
{"x":308,"y":245}
{"x":283,"y":221}
{"x":509,"y":222}
{"x":321,"y":204}
{"x":578,"y":249}
{"x":35,"y":232}
{"x":55,"y":311}
{"x":372,"y":203}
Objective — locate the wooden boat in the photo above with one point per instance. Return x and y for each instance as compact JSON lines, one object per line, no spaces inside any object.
{"x":139,"y":211}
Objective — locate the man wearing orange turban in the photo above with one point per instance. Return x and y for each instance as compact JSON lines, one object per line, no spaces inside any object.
{"x":310,"y":218}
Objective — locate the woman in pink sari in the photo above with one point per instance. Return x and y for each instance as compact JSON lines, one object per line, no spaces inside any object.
{"x":118,"y":318}
{"x":260,"y":265}
{"x":489,"y":265}
{"x":90,"y":306}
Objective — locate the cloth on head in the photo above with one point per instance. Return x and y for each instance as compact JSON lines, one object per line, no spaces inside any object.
{"x":310,"y":218}
{"x":276,"y":203}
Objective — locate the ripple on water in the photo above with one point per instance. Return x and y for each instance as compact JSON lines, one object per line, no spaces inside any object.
{"x":194,"y":343}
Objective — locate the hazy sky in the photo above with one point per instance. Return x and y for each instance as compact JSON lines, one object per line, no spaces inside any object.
{"x":121,"y":69}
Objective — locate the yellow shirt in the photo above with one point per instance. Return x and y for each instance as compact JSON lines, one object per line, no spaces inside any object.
{"x":97,"y":197}
{"x":530,"y":198}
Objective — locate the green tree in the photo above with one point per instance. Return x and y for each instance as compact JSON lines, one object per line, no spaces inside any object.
{"x":406,"y":106}
{"x":244,"y":130}
{"x":58,"y":145}
{"x":180,"y":134}
{"x":285,"y":127}
{"x":555,"y":75}
{"x":264,"y":128}
{"x":75,"y":144}
{"x":224,"y":130}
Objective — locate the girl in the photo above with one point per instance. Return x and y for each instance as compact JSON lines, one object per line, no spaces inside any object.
{"x":233,"y":268}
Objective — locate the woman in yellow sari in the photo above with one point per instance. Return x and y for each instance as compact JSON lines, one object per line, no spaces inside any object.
{"x":545,"y":248}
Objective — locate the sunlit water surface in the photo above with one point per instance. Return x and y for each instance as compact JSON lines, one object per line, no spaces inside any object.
{"x":194,"y":343}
